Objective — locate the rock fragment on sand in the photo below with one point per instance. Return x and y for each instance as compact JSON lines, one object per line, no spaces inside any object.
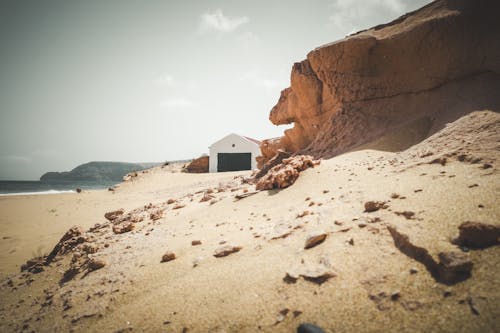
{"x":478,"y":235}
{"x":285,"y":174}
{"x":373,"y":206}
{"x":123,"y":227}
{"x":111,"y":216}
{"x":95,"y":264}
{"x":168,"y":256}
{"x":318,"y":274}
{"x":156,"y":215}
{"x":72,"y":238}
{"x":409,"y":215}
{"x":196,"y":242}
{"x":226,"y":250}
{"x":315,"y":238}
{"x":454,"y":266}
{"x":309,"y":328}
{"x":206,"y":197}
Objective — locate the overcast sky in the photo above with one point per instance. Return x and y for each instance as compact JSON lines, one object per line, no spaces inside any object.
{"x":151,"y":80}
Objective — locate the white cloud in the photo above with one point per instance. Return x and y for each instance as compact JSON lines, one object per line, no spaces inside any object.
{"x":349,"y":16}
{"x":217,"y":21}
{"x":257,"y":79}
{"x":178,"y":103}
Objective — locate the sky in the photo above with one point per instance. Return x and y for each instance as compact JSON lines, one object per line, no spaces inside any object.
{"x":151,"y":80}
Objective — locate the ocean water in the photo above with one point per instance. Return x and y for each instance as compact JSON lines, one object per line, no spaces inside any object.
{"x":11,"y":187}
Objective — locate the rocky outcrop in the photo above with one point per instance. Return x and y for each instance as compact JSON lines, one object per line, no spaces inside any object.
{"x":285,"y":174}
{"x":199,"y":165}
{"x":424,"y":69}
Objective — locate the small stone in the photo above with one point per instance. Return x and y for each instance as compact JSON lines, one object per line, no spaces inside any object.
{"x":315,"y":238}
{"x":372,"y":206}
{"x":123,"y":227}
{"x":304,"y":213}
{"x":95,"y":264}
{"x":78,"y":190}
{"x":338,"y":223}
{"x":168,"y":256}
{"x":195,"y":242}
{"x":413,"y":270}
{"x":206,"y":197}
{"x":111,"y":216}
{"x":454,"y":266}
{"x":309,"y":328}
{"x":156,"y":215}
{"x":361,"y":225}
{"x":226,"y":250}
{"x":170,"y":201}
{"x":351,"y":241}
{"x":409,"y":215}
{"x":395,"y":295}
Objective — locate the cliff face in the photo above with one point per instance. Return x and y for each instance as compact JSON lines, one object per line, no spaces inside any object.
{"x":428,"y":67}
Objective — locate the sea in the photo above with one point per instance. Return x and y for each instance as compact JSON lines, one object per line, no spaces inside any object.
{"x":33,"y":187}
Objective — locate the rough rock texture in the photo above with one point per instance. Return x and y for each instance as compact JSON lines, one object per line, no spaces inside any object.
{"x":199,"y":165}
{"x":424,"y":69}
{"x":286,"y":173}
{"x":268,"y":149}
{"x":68,"y":241}
{"x":274,"y":161}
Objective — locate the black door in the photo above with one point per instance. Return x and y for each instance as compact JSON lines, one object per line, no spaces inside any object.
{"x":234,"y":161}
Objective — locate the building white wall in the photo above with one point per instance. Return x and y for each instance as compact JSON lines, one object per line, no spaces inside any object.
{"x":225,"y":145}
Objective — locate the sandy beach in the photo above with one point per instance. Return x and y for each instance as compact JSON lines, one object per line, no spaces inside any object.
{"x":359,"y":278}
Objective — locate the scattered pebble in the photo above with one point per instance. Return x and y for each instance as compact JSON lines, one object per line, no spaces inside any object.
{"x":226,"y":250}
{"x":372,"y":206}
{"x":168,"y":256}
{"x":95,"y":264}
{"x":315,"y":238}
{"x":309,"y":328}
{"x":123,"y":227}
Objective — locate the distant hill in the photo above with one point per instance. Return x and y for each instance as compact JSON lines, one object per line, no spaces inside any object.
{"x":96,"y":172}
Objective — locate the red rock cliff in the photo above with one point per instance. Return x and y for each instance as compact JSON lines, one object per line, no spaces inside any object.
{"x":396,"y":83}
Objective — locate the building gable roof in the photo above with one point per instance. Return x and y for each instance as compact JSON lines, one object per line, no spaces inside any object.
{"x":253,"y":141}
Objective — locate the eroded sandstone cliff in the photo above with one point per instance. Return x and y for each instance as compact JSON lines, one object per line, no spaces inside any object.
{"x":421,"y":71}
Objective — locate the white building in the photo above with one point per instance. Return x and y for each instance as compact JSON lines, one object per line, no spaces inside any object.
{"x":234,"y":152}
